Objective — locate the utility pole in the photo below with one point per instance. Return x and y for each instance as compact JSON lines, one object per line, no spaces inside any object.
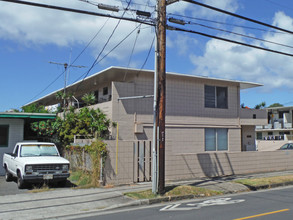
{"x":161,"y":91}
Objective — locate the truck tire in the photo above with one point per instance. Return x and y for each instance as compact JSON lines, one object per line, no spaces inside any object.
{"x":62,"y":183}
{"x":8,"y":176}
{"x":20,"y":181}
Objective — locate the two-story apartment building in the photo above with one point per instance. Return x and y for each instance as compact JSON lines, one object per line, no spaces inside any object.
{"x":202,"y":114}
{"x":207,"y":133}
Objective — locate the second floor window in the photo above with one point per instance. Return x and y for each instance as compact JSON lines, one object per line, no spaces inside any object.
{"x":215,"y":97}
{"x":105,"y":91}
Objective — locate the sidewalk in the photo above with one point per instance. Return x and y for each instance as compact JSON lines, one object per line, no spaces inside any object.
{"x":70,"y":203}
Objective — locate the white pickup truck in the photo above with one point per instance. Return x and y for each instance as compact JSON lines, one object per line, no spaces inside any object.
{"x":33,"y":162}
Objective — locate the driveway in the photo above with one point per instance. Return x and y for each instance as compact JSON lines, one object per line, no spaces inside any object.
{"x":9,"y":188}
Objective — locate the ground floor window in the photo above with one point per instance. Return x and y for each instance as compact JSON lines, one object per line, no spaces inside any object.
{"x":216,"y":139}
{"x":4,"y":135}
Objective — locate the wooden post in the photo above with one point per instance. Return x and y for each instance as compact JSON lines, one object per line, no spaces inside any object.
{"x":161,"y":101}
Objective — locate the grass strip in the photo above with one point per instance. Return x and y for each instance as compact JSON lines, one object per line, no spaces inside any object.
{"x":174,"y":191}
{"x":255,"y":182}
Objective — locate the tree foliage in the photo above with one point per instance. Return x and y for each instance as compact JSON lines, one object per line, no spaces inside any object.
{"x":275,"y":105}
{"x":260,"y":106}
{"x":34,"y":108}
{"x":84,"y":122}
{"x":45,"y":128}
{"x":89,"y":98}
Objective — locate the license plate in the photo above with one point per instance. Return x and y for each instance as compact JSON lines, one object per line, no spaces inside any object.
{"x":48,"y":176}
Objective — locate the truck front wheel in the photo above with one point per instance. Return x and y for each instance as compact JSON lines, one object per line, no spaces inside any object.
{"x":8,"y":176}
{"x":20,"y":181}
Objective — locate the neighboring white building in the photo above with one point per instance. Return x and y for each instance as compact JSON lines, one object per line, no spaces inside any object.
{"x":12,"y":130}
{"x":279,"y":124}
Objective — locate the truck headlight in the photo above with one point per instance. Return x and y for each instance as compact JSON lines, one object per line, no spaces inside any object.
{"x":28,"y":168}
{"x":65,"y":167}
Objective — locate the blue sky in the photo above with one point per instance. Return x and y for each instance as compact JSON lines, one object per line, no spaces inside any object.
{"x":31,"y":37}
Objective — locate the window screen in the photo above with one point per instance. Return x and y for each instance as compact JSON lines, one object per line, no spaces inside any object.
{"x":216,"y":139}
{"x":222,"y":101}
{"x":210,"y":96}
{"x":216,"y":97}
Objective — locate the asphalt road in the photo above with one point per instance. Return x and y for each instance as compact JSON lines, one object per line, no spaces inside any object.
{"x":269,"y":204}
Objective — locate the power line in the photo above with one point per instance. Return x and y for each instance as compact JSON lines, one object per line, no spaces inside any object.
{"x":242,"y":35}
{"x":91,"y":41}
{"x":132,"y":51}
{"x":116,"y":8}
{"x":79,"y":11}
{"x":72,"y":62}
{"x":94,"y":63}
{"x":45,"y":88}
{"x":110,"y":51}
{"x":148,"y":55}
{"x":226,"y":24}
{"x":139,"y":4}
{"x":238,"y":16}
{"x":228,"y":40}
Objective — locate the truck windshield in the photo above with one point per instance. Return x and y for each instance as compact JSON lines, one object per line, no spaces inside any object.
{"x":38,"y":150}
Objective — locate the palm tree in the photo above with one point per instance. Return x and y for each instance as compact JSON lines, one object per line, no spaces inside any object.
{"x":89,"y":98}
{"x":60,"y":96}
{"x":260,"y":106}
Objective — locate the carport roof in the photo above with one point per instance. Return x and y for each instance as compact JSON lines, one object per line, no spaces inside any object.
{"x":27,"y":115}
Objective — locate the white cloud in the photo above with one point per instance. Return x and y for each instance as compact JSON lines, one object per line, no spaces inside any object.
{"x":228,"y":5}
{"x":34,"y":26}
{"x":226,"y":60}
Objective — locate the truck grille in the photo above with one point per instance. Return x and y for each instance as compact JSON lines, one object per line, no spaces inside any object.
{"x":47,"y":167}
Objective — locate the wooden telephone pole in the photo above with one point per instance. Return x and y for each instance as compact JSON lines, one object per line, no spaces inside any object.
{"x":161,"y":91}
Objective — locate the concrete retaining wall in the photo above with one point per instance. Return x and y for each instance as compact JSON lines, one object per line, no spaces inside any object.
{"x":188,"y":166}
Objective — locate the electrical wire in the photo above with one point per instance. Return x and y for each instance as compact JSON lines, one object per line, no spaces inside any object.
{"x":125,"y":9}
{"x":228,"y":40}
{"x":88,"y":44}
{"x":147,"y":5}
{"x":110,"y":51}
{"x":132,"y":51}
{"x":105,"y":45}
{"x":242,"y":35}
{"x":226,"y":24}
{"x":238,"y":16}
{"x":148,"y":55}
{"x":45,"y":88}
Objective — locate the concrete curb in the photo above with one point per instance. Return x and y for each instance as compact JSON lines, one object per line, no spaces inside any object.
{"x":268,"y":186}
{"x":190,"y":196}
